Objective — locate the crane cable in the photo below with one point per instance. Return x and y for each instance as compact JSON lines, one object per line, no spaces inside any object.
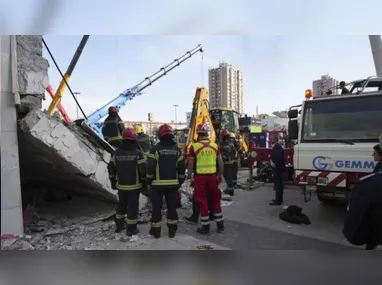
{"x":202,"y":67}
{"x":63,"y":78}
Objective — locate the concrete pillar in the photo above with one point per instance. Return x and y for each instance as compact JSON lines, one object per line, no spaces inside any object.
{"x":11,"y":205}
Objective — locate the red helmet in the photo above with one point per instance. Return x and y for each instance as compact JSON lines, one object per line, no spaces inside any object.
{"x":165,"y":130}
{"x":112,"y":109}
{"x":203,"y":129}
{"x":224,"y":133}
{"x":129,"y":134}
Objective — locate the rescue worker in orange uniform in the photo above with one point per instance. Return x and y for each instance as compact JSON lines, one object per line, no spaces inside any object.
{"x":165,"y":172}
{"x":127,"y":174}
{"x":205,"y":161}
{"x":113,"y":127}
{"x":228,"y":152}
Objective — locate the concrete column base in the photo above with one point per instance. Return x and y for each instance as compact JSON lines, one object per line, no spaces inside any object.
{"x":11,"y":205}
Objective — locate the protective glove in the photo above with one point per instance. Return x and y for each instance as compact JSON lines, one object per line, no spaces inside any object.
{"x":113,"y":184}
{"x":219,"y":179}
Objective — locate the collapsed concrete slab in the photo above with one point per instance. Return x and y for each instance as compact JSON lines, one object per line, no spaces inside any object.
{"x":62,"y":157}
{"x":54,"y":156}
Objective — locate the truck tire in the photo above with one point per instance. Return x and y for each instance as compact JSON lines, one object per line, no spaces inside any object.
{"x":326,"y":201}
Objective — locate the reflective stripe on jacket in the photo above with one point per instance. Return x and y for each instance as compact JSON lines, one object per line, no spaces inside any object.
{"x":165,"y":165}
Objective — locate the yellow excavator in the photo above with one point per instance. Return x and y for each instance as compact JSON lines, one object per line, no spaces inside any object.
{"x":218,"y":119}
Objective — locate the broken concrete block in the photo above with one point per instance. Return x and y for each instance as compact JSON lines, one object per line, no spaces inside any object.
{"x":63,"y":157}
{"x":32,"y":67}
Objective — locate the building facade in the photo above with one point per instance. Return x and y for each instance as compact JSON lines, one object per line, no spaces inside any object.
{"x":321,"y":86}
{"x":226,"y":87}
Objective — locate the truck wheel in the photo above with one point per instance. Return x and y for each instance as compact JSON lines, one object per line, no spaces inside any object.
{"x":325,"y":200}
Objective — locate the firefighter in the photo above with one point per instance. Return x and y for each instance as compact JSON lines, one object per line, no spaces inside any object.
{"x":113,"y":127}
{"x":143,"y":140}
{"x":228,"y":154}
{"x":165,"y":172}
{"x":127,"y":174}
{"x":205,"y":161}
{"x":235,"y":161}
{"x":363,"y":222}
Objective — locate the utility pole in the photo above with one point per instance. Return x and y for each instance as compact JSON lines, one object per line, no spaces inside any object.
{"x":176,"y":117}
{"x":76,"y":94}
{"x":176,"y":122}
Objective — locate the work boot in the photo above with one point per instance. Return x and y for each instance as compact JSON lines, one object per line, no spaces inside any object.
{"x":204,"y":230}
{"x":172,"y":230}
{"x":220,"y":226}
{"x":192,"y":219}
{"x":229,"y":192}
{"x":132,"y":230}
{"x":155,"y":232}
{"x":119,"y":225}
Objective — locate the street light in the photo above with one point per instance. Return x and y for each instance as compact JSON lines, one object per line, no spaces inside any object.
{"x":176,"y":118}
{"x":76,"y":94}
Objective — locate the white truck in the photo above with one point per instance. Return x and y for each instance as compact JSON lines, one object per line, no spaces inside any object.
{"x":335,"y":137}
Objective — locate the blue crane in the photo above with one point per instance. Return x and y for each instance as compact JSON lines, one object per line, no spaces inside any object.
{"x":135,"y":91}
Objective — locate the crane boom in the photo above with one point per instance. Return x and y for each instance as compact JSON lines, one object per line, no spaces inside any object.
{"x":376,"y":49}
{"x":135,"y":91}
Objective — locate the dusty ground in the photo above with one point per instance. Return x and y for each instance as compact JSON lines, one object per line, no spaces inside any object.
{"x":85,"y":224}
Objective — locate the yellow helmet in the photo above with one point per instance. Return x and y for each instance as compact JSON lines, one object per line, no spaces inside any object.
{"x":138,"y":129}
{"x":232,"y":135}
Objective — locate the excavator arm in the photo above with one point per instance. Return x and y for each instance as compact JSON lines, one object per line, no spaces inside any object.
{"x":200,"y":115}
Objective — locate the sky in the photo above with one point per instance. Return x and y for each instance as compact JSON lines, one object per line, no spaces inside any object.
{"x":291,"y":44}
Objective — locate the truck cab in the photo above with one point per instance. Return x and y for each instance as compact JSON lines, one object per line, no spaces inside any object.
{"x":335,"y":135}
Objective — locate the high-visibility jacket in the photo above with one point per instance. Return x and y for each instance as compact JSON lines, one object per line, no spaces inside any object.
{"x":205,"y":153}
{"x":165,"y":165}
{"x":112,"y":128}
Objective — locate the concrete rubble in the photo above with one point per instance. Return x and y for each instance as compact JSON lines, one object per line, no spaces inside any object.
{"x":83,"y":223}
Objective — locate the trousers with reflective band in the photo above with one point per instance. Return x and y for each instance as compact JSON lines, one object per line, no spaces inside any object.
{"x":205,"y":155}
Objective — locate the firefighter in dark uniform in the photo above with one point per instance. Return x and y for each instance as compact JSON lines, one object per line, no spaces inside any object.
{"x":228,"y":152}
{"x":113,"y":127}
{"x":235,"y":161}
{"x":165,"y":172}
{"x":127,"y":173}
{"x":143,"y":140}
{"x":363,"y":222}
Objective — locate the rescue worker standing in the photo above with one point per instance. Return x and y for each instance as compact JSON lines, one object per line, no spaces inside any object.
{"x":165,"y":172}
{"x":205,"y":160}
{"x":278,"y":164}
{"x":235,"y":161}
{"x":228,"y":154}
{"x":363,"y":222}
{"x":127,"y":174}
{"x":113,"y":127}
{"x":143,"y":140}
